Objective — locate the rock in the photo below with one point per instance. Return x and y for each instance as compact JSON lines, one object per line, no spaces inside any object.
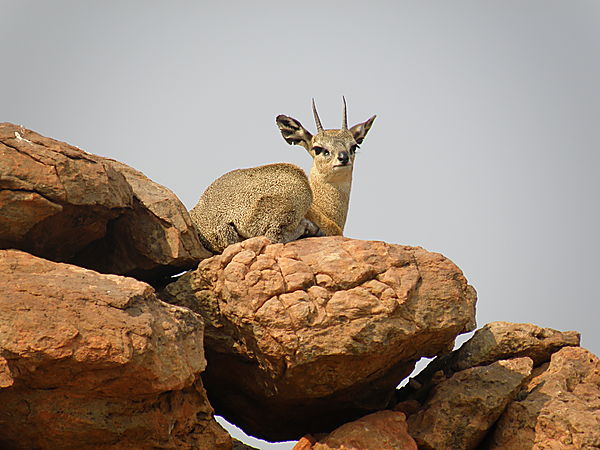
{"x":63,"y":204}
{"x":322,"y":329}
{"x":561,"y":409}
{"x":380,"y":430}
{"x":153,"y":240}
{"x":97,"y":361}
{"x":305,"y":443}
{"x":462,"y":409}
{"x":55,"y":198}
{"x":493,"y":342}
{"x":503,"y":340}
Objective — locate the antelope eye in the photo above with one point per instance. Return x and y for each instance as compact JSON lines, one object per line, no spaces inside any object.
{"x":319,"y":150}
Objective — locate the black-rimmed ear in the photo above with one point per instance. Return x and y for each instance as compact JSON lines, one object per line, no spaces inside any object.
{"x":360,"y":130}
{"x":293,"y":132}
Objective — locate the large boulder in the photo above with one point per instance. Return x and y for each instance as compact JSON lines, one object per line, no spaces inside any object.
{"x":61,"y":203}
{"x":305,"y":336}
{"x":560,"y":408}
{"x":97,"y":361}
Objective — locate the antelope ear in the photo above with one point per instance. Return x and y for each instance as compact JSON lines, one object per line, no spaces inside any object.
{"x":293,"y":132}
{"x":359,"y":131}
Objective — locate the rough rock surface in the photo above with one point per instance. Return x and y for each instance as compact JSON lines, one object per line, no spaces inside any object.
{"x":97,"y":361}
{"x":502,"y":340}
{"x":493,"y":342}
{"x":561,"y":409}
{"x":380,"y":430}
{"x":322,"y":329}
{"x":63,"y":204}
{"x":462,"y":409}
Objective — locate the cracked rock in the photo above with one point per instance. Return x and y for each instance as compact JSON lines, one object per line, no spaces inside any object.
{"x":305,"y":336}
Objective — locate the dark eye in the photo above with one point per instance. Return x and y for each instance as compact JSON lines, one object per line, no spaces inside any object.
{"x":319,"y":150}
{"x":354,"y":148}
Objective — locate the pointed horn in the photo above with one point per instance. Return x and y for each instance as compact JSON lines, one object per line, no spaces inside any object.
{"x":317,"y":120}
{"x":345,"y":118}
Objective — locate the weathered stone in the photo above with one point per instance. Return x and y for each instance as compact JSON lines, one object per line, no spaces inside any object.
{"x":493,"y":342}
{"x":63,"y":204}
{"x":154,"y":239}
{"x":561,"y":409}
{"x":55,"y":198}
{"x":462,"y":409}
{"x":503,"y":340}
{"x":380,"y":430}
{"x":305,"y":336}
{"x":97,"y":361}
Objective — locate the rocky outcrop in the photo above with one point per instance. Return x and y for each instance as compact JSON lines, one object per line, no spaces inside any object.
{"x":461,"y":409}
{"x":560,"y":408}
{"x":305,"y":336}
{"x":61,"y":203}
{"x":380,"y":430}
{"x":97,"y":361}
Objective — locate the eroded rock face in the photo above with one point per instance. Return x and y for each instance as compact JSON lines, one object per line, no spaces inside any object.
{"x":561,"y":409}
{"x":380,"y":430}
{"x":63,"y":204}
{"x":502,"y":340}
{"x":462,"y":408}
{"x":305,"y":336}
{"x":97,"y":361}
{"x":493,"y":342}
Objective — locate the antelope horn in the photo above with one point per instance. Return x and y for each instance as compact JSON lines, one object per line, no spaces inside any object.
{"x":345,"y":118}
{"x":317,"y":120}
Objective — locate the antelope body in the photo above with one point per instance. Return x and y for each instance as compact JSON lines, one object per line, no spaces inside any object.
{"x":278,"y":200}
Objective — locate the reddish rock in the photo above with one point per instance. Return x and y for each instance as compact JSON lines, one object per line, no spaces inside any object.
{"x":561,"y":409}
{"x":63,"y":204}
{"x":322,"y":329}
{"x":97,"y":361}
{"x":462,"y":409}
{"x":503,"y":340}
{"x":380,"y":430}
{"x":493,"y":342}
{"x":305,"y":443}
{"x":55,"y":198}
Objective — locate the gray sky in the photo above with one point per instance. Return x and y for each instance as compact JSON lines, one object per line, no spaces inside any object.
{"x":486,"y":146}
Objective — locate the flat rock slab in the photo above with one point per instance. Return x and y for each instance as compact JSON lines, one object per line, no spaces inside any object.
{"x":61,"y":203}
{"x":97,"y":361}
{"x":305,"y":336}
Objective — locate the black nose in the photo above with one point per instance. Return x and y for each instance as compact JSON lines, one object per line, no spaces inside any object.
{"x":343,"y":157}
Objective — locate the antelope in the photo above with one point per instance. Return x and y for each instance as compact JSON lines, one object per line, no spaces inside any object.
{"x":278,"y":200}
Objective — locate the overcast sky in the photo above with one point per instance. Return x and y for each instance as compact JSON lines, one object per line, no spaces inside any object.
{"x":485,"y":147}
